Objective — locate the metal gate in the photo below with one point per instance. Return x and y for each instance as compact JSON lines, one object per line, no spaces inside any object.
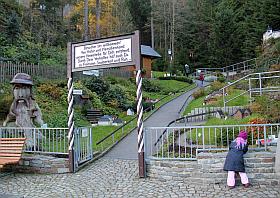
{"x":83,"y":151}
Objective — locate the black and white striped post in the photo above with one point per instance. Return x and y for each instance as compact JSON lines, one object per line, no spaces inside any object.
{"x":140,"y":136}
{"x":70,"y":111}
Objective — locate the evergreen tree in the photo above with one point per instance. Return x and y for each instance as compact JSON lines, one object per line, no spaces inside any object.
{"x":13,"y":28}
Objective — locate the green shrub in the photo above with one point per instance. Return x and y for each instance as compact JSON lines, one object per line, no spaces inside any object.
{"x":217,"y":85}
{"x":97,"y":85}
{"x":149,"y":86}
{"x":51,"y":90}
{"x":178,"y":78}
{"x":199,"y":93}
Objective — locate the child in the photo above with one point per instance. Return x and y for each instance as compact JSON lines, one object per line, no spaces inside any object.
{"x":235,"y":162}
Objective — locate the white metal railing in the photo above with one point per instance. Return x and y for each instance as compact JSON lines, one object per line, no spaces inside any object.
{"x":184,"y":142}
{"x":237,"y":67}
{"x":257,"y":80}
{"x":44,"y":140}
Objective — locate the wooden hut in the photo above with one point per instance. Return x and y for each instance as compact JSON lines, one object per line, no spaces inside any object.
{"x":148,"y":54}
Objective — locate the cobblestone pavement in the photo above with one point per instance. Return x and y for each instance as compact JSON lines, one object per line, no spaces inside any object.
{"x":118,"y":178}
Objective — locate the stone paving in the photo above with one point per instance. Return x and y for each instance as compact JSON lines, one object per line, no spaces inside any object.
{"x":118,"y":178}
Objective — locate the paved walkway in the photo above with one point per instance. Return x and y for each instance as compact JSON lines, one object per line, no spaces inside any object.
{"x":112,"y":177}
{"x":127,"y":148}
{"x":118,"y":178}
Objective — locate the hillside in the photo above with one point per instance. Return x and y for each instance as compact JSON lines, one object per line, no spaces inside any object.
{"x":111,"y":95}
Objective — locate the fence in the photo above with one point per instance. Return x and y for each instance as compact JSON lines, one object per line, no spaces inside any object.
{"x":83,"y":148}
{"x":184,"y":142}
{"x":45,"y":140}
{"x":254,"y":83}
{"x":228,"y":110}
{"x":9,"y":69}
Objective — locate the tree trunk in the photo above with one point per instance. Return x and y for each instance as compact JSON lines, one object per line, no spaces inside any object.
{"x":86,"y":20}
{"x":152,"y":26}
{"x":98,"y":13}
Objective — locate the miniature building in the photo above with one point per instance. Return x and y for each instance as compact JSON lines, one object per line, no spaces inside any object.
{"x":270,"y":34}
{"x":117,"y":122}
{"x":130,"y":112}
{"x":242,"y":113}
{"x":105,"y":120}
{"x":220,"y":114}
{"x":147,"y":54}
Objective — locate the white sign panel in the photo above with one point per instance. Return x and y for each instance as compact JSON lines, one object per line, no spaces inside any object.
{"x":84,"y":132}
{"x":77,"y":92}
{"x":106,"y":53}
{"x":91,"y":72}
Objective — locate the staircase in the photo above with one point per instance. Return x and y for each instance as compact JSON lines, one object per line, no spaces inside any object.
{"x":93,"y":115}
{"x":208,"y":169}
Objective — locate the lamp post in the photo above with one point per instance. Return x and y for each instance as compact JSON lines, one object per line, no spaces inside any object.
{"x":170,"y":54}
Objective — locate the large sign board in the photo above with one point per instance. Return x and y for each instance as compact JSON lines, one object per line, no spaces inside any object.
{"x":105,"y":53}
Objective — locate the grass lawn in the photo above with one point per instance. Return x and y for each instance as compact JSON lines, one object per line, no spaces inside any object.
{"x":157,"y":74}
{"x":220,"y":133}
{"x":240,"y":101}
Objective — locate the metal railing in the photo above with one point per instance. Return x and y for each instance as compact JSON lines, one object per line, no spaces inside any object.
{"x":237,"y":67}
{"x":183,"y":142}
{"x":45,"y":140}
{"x":83,"y":148}
{"x":259,"y":64}
{"x":259,"y":80}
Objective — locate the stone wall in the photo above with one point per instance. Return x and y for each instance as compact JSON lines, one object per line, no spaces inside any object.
{"x":41,"y":164}
{"x":209,"y":168}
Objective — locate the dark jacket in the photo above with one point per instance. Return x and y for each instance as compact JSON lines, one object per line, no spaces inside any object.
{"x":234,"y":160}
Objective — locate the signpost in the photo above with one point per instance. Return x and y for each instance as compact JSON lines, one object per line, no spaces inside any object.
{"x":105,"y":53}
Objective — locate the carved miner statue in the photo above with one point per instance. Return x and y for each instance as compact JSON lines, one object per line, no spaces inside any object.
{"x":24,"y":111}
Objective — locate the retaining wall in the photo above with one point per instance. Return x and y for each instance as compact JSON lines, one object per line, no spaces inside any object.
{"x":41,"y":164}
{"x":209,"y":168}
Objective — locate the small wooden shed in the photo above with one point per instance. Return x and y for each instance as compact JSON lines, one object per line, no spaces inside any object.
{"x":148,"y":54}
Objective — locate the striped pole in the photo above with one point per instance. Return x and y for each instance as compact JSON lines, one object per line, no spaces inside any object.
{"x":70,"y":123}
{"x":140,"y":125}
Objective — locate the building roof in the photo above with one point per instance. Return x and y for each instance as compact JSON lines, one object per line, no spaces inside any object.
{"x":148,"y":51}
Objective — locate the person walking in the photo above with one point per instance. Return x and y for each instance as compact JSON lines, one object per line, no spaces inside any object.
{"x":234,"y":162}
{"x":201,"y":77}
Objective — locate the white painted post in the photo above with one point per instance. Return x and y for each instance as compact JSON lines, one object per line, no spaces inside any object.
{"x":260,"y":80}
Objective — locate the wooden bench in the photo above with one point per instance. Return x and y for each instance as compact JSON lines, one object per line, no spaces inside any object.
{"x":11,"y":150}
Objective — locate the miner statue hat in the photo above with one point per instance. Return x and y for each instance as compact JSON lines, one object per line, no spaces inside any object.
{"x":22,"y":78}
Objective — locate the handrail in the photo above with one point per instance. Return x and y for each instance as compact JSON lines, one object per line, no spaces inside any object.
{"x":259,"y":73}
{"x":214,"y":126}
{"x":182,"y":118}
{"x":113,"y":132}
{"x":223,"y":68}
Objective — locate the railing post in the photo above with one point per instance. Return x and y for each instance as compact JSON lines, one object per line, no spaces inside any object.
{"x":203,"y":140}
{"x":250,"y":92}
{"x":260,"y":80}
{"x":224,"y":98}
{"x":264,"y":134}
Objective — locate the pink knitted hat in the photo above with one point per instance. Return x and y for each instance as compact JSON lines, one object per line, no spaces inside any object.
{"x":243,"y":134}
